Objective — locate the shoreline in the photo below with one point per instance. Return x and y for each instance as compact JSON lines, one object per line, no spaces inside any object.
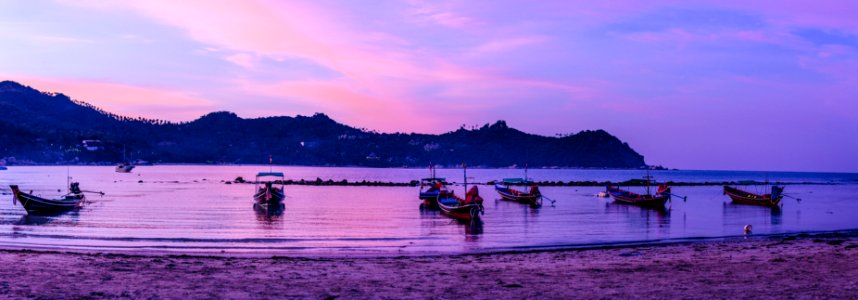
{"x":214,"y":252}
{"x":802,"y":265}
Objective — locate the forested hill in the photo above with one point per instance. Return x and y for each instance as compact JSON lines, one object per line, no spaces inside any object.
{"x":48,"y":128}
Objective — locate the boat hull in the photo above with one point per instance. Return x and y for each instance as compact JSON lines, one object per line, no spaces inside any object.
{"x":742,"y":197}
{"x":652,"y":201}
{"x":124,"y":168}
{"x":35,"y":205}
{"x":509,"y":194}
{"x":462,"y":212}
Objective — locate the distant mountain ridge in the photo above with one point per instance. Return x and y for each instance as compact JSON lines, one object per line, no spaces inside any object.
{"x":48,"y":128}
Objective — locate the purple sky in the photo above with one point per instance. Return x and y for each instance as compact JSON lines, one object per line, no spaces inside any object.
{"x":746,"y":85}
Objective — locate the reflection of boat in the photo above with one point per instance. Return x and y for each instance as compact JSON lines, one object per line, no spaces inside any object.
{"x":742,"y":197}
{"x":46,"y":218}
{"x":38,"y":205}
{"x":533,"y":196}
{"x":735,"y":211}
{"x":430,"y":188}
{"x":474,"y":227}
{"x":466,"y":209}
{"x":268,"y":196}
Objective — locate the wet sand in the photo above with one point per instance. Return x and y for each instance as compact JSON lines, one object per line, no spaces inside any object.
{"x":802,"y":266}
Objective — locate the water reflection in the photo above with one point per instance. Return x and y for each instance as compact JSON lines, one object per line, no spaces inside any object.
{"x":643,"y":217}
{"x":67,"y":217}
{"x":473,"y":229}
{"x":269,"y":218}
{"x":753,"y":212}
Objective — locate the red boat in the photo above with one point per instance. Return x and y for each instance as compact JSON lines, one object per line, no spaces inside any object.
{"x":466,"y":209}
{"x":533,"y":196}
{"x":742,"y":197}
{"x":656,"y":200}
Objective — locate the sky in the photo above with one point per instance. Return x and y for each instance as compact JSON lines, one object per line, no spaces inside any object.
{"x":713,"y":85}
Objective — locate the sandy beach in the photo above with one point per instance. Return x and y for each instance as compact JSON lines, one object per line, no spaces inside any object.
{"x":796,"y":266}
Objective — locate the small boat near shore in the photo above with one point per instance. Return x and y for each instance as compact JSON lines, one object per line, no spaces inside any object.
{"x":268,"y":195}
{"x":430,"y":189}
{"x":466,"y":209}
{"x":656,"y":200}
{"x":772,"y":199}
{"x":532,"y":196}
{"x":36,"y":205}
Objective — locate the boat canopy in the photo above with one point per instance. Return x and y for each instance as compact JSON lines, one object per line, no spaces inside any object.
{"x":516,"y":180}
{"x":434,"y":179}
{"x":270,"y":174}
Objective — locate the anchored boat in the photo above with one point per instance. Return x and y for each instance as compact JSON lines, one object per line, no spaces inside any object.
{"x":124,"y":168}
{"x":269,"y":194}
{"x":431,"y":188}
{"x":649,"y":199}
{"x":36,"y":205}
{"x":532,"y":196}
{"x":772,"y":199}
{"x":466,"y":209}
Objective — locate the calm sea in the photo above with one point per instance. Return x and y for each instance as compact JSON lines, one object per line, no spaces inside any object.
{"x":186,"y":209}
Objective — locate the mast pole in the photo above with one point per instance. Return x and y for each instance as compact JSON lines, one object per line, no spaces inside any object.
{"x":465,"y":171}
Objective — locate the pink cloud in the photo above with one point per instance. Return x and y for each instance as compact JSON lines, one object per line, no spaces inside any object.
{"x":123,"y":99}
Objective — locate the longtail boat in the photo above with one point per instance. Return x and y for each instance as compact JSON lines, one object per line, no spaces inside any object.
{"x":35,"y":205}
{"x":743,"y":197}
{"x":268,"y":195}
{"x":533,"y":196}
{"x":465,"y":209}
{"x":649,"y":199}
{"x":430,"y":189}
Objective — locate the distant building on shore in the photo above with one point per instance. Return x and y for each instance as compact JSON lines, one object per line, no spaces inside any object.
{"x":92,"y":145}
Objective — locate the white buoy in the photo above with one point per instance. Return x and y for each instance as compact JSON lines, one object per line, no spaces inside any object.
{"x":748,"y":229}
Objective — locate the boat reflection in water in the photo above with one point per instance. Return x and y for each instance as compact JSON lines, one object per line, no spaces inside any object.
{"x":641,"y":217}
{"x":736,"y":214}
{"x":269,"y":217}
{"x":64,"y":218}
{"x":433,"y":220}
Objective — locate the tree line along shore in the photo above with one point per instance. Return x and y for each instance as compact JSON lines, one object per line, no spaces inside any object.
{"x":586,"y":183}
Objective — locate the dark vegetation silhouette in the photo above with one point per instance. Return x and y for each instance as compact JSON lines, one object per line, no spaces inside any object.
{"x":47,"y":128}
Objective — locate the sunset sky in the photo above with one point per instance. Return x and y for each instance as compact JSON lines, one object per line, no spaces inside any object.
{"x":738,"y":85}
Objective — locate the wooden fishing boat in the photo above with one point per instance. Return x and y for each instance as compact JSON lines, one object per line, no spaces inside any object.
{"x":430,"y":189}
{"x":268,"y":195}
{"x":656,"y":200}
{"x":36,"y":205}
{"x":124,"y":168}
{"x":466,"y":209}
{"x":533,"y":196}
{"x":743,"y":197}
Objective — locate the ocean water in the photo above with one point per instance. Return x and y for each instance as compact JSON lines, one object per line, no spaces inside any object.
{"x":188,"y":209}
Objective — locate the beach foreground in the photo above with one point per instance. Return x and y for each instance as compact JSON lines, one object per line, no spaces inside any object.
{"x":802,"y":266}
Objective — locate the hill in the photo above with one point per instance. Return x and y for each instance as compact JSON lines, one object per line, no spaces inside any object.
{"x":48,"y":128}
